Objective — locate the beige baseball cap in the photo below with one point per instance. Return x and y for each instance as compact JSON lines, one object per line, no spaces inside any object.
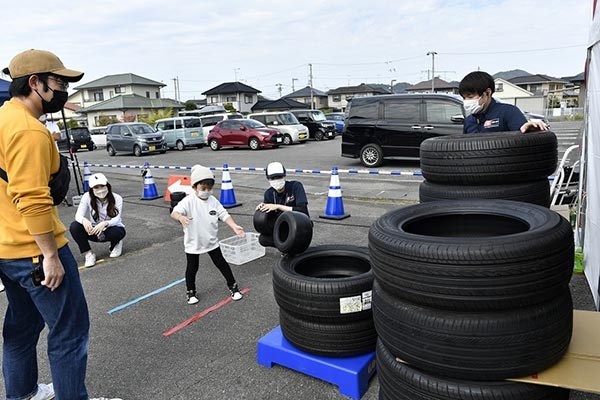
{"x":35,"y":61}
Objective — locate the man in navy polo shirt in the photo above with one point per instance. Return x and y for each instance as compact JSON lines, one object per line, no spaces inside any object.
{"x":485,"y":114}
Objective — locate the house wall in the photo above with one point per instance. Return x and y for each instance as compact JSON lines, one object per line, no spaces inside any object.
{"x":242,"y":102}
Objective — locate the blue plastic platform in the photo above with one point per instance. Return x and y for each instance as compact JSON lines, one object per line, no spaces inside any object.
{"x":350,"y":374}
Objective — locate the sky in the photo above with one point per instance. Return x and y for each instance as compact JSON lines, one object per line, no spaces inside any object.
{"x":276,"y":46}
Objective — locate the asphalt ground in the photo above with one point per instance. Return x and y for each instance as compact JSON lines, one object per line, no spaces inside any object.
{"x":137,"y":298}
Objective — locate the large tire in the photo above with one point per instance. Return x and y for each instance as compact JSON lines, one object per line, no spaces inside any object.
{"x":535,"y":192}
{"x":329,"y":283}
{"x":469,"y":345}
{"x":472,"y":254}
{"x":342,"y":339}
{"x":489,"y":159}
{"x":399,"y":381}
{"x":292,"y":233}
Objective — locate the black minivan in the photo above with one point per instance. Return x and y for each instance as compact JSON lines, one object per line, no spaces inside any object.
{"x":393,"y":126}
{"x":80,"y":140}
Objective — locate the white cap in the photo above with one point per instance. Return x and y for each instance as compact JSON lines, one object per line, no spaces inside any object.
{"x":200,"y":173}
{"x":97,"y":179}
{"x":275,"y":169}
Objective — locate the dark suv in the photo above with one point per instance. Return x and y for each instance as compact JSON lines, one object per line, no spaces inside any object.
{"x":393,"y":126}
{"x":79,"y":139}
{"x":319,"y":127}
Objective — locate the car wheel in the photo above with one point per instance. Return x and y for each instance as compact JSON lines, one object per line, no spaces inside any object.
{"x":287,"y":140}
{"x":371,"y":155}
{"x":319,"y":135}
{"x":137,"y":151}
{"x":180,"y":146}
{"x":214,"y":145}
{"x":110,"y":150}
{"x":254,"y":143}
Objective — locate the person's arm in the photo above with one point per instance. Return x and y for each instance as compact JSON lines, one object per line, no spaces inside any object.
{"x":301,"y":202}
{"x":533,"y":126}
{"x":179,"y":214}
{"x":54,"y":271}
{"x":238,"y":230}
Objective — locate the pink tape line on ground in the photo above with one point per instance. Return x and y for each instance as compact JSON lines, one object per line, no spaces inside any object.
{"x":202,"y":314}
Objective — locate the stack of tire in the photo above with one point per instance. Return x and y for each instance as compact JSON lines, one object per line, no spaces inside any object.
{"x":468,"y":293}
{"x":176,"y":197}
{"x":504,"y":165}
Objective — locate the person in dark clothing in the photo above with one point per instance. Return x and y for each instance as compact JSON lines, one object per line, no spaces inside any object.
{"x":485,"y":114}
{"x":282,"y":196}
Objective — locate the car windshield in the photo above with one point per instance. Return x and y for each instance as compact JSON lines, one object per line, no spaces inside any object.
{"x":318,"y":116}
{"x":252,"y":123}
{"x":335,"y":117}
{"x":287,"y":119}
{"x":192,"y":123}
{"x":142,"y":128}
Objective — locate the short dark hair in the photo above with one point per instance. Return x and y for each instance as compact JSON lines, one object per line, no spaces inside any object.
{"x":476,"y":82}
{"x":20,"y":86}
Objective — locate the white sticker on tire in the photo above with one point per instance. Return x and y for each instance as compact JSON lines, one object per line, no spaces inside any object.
{"x":366,"y":300}
{"x":350,"y":304}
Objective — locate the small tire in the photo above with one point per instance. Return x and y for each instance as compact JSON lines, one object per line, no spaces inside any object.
{"x":179,"y":145}
{"x":319,"y":135}
{"x":110,"y":150}
{"x":287,"y":140}
{"x":292,"y":232}
{"x":328,"y":283}
{"x":214,"y":144}
{"x":342,"y":339}
{"x":137,"y":151}
{"x":371,"y":155}
{"x":264,"y":222}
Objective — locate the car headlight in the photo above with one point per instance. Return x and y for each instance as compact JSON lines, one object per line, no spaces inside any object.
{"x":143,"y":140}
{"x":265,"y":133}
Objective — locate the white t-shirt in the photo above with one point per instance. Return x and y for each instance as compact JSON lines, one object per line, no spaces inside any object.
{"x":84,"y":210}
{"x":200,"y":236}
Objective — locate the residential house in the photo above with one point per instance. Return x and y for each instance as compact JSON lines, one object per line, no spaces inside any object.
{"x":545,"y":85}
{"x":439,"y":86}
{"x":308,"y":94}
{"x":510,"y":93}
{"x":282,"y":104}
{"x":338,"y":98}
{"x":574,"y":94}
{"x":71,"y":113}
{"x":124,"y":97}
{"x":242,"y":97}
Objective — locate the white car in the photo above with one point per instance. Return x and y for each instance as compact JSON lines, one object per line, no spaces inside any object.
{"x":99,"y":135}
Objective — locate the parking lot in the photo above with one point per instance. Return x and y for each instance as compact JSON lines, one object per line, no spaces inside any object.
{"x":148,"y":343}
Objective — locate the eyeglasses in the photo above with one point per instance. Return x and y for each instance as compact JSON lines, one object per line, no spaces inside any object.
{"x":63,"y":85}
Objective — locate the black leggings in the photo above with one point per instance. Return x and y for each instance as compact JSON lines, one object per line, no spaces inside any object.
{"x":193,"y":263}
{"x":112,"y":234}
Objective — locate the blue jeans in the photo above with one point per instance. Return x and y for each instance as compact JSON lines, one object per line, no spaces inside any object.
{"x":29,"y":308}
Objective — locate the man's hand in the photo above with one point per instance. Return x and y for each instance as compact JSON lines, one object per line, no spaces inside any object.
{"x":534,"y":125}
{"x":54,"y":272}
{"x":267,"y":207}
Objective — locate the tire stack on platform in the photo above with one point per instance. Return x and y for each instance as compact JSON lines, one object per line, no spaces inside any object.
{"x":468,"y":293}
{"x":504,"y":165}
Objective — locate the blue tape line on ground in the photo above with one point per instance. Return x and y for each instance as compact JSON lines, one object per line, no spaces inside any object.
{"x":119,"y":308}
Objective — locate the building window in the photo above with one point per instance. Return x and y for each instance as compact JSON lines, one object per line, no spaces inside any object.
{"x":98,"y":96}
{"x":214,"y":99}
{"x":119,"y":89}
{"x":499,"y":87}
{"x":157,"y":94}
{"x":231,"y":99}
{"x":535,"y":88}
{"x":552,"y":87}
{"x":337,"y":97}
{"x":148,"y":94}
{"x":248,"y":99}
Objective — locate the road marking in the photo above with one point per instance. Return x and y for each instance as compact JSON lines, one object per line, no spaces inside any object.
{"x":132,"y":302}
{"x":97,"y":262}
{"x":202,"y":314}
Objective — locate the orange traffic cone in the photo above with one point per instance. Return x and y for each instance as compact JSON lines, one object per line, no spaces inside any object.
{"x":227,"y":194}
{"x":335,"y":206}
{"x":150,"y":191}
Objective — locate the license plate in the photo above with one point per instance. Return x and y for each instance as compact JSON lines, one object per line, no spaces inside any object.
{"x":302,"y":136}
{"x":194,"y":133}
{"x":151,"y":148}
{"x":83,"y":146}
{"x":279,"y":140}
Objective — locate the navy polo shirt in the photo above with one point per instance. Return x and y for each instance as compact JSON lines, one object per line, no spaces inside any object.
{"x":293,"y":196}
{"x":498,"y":117}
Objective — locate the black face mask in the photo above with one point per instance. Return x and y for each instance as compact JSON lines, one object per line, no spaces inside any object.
{"x":56,"y":104}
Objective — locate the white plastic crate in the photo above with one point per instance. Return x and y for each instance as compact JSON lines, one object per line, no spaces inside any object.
{"x":237,"y":250}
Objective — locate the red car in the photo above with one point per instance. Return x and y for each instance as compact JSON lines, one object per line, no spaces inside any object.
{"x":243,"y":133}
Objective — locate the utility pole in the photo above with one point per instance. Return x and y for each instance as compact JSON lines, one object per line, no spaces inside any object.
{"x":176,"y":87}
{"x":432,"y":54}
{"x":310,"y":83}
{"x":293,"y":80}
{"x":235,"y":72}
{"x":279,"y":85}
{"x":392,"y":85}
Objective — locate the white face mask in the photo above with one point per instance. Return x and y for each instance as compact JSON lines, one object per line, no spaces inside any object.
{"x":101,"y":193}
{"x":277,"y":184}
{"x":203,"y":195}
{"x":472,"y":106}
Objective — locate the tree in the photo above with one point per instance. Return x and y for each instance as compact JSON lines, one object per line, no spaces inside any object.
{"x":155,"y":115}
{"x":190,"y":106}
{"x":229,"y":107}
